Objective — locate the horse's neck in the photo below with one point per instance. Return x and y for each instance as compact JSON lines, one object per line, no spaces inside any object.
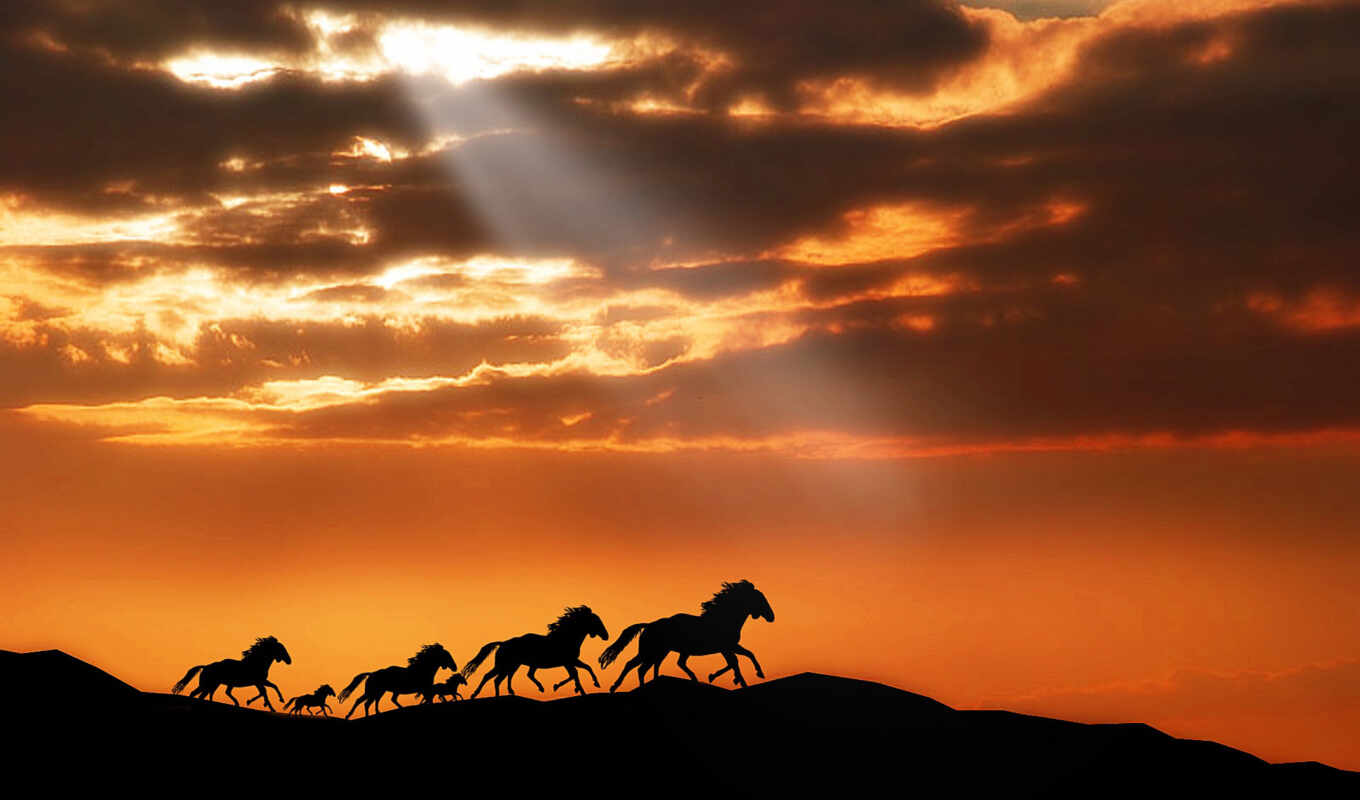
{"x":257,"y":664}
{"x":570,"y":640}
{"x":727,"y":620}
{"x":423,"y":673}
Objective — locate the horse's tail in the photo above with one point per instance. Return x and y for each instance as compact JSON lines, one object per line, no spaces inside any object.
{"x":290,"y":702}
{"x":345,"y":692}
{"x":188,"y":676}
{"x":477,"y":660}
{"x":612,"y":651}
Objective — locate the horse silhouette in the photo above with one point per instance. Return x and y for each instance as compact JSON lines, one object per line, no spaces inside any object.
{"x":251,"y":669}
{"x":560,"y":648}
{"x":414,"y":678}
{"x":716,"y":630}
{"x":316,"y":699}
{"x":445,"y":690}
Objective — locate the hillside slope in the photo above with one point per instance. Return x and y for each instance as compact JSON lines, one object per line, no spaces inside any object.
{"x":798,"y":734}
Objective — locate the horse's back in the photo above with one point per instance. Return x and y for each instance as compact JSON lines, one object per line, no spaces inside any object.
{"x":522,"y":648}
{"x":683,"y":633}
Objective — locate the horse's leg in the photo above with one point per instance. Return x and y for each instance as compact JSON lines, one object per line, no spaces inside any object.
{"x":684,"y":657}
{"x":587,"y":668}
{"x":354,"y":707}
{"x":742,"y":651}
{"x":632,"y":662}
{"x":532,"y":670}
{"x":576,"y":676}
{"x":510,"y":679}
{"x":394,"y":699}
{"x":276,"y":689}
{"x":260,"y":689}
{"x":713,"y":676}
{"x":736,"y":668}
{"x":232,"y":696}
{"x":486,"y":678}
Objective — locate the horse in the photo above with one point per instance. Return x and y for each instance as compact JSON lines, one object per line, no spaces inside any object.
{"x":252,"y":669}
{"x":716,"y":630}
{"x":560,"y":648}
{"x":415,"y":677}
{"x":444,"y":691}
{"x":316,"y":699}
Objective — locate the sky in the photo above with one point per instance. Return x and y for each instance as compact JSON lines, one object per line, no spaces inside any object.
{"x":1008,"y":349}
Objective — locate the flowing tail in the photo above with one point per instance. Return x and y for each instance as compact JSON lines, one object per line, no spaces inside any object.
{"x":477,"y":660}
{"x":612,"y":651}
{"x":188,"y":676}
{"x":345,"y":692}
{"x":290,"y":702}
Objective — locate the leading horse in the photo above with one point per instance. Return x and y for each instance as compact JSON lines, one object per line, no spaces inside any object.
{"x":561,"y":647}
{"x":251,"y":669}
{"x":716,"y":630}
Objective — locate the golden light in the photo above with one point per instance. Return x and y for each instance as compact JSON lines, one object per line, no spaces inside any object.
{"x":882,"y":232}
{"x":23,"y":225}
{"x":221,"y":71}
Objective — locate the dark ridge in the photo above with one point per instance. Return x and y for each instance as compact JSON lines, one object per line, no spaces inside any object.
{"x":797,"y":735}
{"x":66,"y":680}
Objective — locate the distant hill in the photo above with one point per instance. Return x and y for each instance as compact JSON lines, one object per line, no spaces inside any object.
{"x":796,"y":735}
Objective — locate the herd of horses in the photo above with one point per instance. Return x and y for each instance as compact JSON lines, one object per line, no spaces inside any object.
{"x":716,"y":630}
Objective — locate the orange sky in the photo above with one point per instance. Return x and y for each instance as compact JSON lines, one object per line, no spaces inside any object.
{"x":1006,"y":350}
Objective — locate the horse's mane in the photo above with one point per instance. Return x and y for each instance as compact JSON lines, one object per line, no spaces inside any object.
{"x":260,"y":644}
{"x":426,"y":652}
{"x":570,"y":616}
{"x":726,"y":594}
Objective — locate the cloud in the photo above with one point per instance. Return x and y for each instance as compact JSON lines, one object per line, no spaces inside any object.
{"x":1145,"y":241}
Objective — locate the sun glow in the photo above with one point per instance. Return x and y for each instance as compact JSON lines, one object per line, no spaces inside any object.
{"x":221,"y":71}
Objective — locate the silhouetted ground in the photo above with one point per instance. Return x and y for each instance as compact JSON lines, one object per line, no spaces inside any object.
{"x":75,"y":725}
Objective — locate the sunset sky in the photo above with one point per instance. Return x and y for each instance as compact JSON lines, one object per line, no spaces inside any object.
{"x":1012,"y":350}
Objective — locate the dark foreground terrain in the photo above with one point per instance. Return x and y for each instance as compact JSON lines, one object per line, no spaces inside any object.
{"x":72,"y":725}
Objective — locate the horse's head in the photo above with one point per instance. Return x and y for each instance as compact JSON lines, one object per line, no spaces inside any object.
{"x":270,"y":648}
{"x":325,"y":691}
{"x":758,"y":605}
{"x":580,"y":620}
{"x":439,"y":656}
{"x":596,"y":627}
{"x":280,"y":653}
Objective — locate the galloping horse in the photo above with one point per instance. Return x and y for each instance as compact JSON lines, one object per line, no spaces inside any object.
{"x":414,"y":678}
{"x":560,"y":648}
{"x":316,"y":699}
{"x":716,"y":630}
{"x":252,"y":669}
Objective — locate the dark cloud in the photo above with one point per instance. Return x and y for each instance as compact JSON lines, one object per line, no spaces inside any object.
{"x":771,"y":46}
{"x":235,"y":353}
{"x":1204,"y":162}
{"x":1068,"y":371}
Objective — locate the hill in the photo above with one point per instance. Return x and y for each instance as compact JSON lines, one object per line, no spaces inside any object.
{"x":800,"y":734}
